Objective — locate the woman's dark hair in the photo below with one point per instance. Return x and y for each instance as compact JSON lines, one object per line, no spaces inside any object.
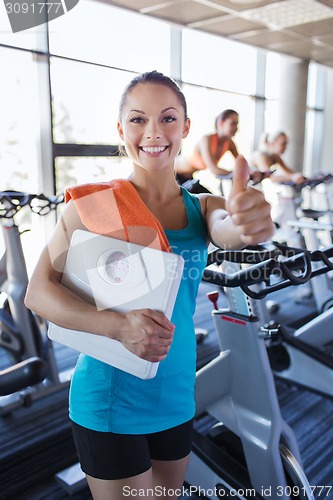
{"x":153,"y":77}
{"x":224,"y":115}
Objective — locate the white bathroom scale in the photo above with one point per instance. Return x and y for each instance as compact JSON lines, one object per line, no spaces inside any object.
{"x":122,"y":276}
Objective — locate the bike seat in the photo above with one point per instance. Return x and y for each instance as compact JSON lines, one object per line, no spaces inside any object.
{"x":28,"y":372}
{"x":320,"y":355}
{"x":311,"y":214}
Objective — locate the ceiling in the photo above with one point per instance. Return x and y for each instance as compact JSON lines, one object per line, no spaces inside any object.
{"x":300,"y":28}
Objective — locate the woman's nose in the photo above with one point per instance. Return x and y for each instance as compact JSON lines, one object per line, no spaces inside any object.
{"x":153,"y":131}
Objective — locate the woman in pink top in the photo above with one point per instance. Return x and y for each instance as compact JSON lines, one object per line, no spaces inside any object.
{"x":208,"y":152}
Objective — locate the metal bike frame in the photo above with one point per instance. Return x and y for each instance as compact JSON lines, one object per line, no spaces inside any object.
{"x":238,"y":389}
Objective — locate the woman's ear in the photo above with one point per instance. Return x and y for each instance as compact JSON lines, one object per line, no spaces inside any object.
{"x":120,"y":131}
{"x":187,"y":126}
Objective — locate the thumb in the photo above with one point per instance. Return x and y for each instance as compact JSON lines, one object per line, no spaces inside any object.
{"x":240,"y":176}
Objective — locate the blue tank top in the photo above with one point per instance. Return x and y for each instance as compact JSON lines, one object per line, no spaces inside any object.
{"x":106,"y":399}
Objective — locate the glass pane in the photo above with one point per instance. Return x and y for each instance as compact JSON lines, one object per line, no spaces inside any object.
{"x":33,"y":38}
{"x":222,"y":63}
{"x":19,"y":123}
{"x":271,"y":116}
{"x":85,"y":102}
{"x":103,"y":34}
{"x":273,"y":69}
{"x":71,"y":171}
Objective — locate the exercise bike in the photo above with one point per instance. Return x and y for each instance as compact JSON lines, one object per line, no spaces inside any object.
{"x":297,"y":201}
{"x":315,"y":235}
{"x":241,"y":443}
{"x":301,"y":225}
{"x":302,"y":356}
{"x":23,"y":335}
{"x":27,"y":373}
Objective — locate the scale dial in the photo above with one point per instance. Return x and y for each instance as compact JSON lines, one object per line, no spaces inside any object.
{"x":114,"y":267}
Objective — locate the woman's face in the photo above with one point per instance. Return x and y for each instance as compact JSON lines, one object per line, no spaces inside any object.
{"x":152,"y":126}
{"x":229,"y":126}
{"x":279,"y":145}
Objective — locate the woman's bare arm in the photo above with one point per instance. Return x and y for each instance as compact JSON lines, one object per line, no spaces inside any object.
{"x":263,"y":162}
{"x":145,"y":332}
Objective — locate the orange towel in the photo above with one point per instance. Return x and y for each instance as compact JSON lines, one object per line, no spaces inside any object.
{"x":115,"y":209}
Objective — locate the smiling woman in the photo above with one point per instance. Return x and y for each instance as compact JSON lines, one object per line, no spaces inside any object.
{"x":131,"y":432}
{"x":269,"y":155}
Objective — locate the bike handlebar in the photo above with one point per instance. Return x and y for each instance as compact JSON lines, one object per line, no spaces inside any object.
{"x":285,"y":266}
{"x":12,"y":201}
{"x":311,"y":182}
{"x":254,"y":178}
{"x":248,"y":255}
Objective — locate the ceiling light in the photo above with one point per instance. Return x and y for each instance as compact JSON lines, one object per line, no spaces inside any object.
{"x":292,"y":13}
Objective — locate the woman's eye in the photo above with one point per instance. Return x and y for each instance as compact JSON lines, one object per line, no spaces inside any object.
{"x":136,"y":119}
{"x":169,"y":119}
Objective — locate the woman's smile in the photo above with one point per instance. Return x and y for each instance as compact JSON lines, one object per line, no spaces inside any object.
{"x":153,"y":150}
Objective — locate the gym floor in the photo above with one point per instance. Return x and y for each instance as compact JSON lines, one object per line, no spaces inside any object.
{"x":36,"y":442}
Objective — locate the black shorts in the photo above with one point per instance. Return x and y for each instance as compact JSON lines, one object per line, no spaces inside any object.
{"x":105,"y":455}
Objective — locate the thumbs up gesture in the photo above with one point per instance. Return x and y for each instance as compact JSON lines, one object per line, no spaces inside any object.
{"x":247,"y":207}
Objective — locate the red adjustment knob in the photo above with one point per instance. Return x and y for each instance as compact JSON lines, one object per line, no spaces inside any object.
{"x":213,"y":297}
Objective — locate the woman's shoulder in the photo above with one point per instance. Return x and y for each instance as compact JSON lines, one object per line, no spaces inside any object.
{"x":204,"y":139}
{"x":262,"y":154}
{"x":208,"y":138}
{"x":80,"y":190}
{"x":208,"y":201}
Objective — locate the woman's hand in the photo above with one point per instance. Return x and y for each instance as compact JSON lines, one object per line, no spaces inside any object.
{"x":248,"y":209}
{"x":147,"y":333}
{"x":298,"y":178}
{"x":257,"y":176}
